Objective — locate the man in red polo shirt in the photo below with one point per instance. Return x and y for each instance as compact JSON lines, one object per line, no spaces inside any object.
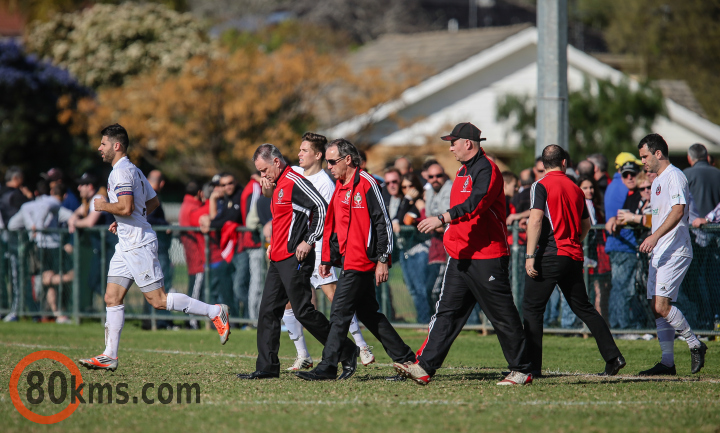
{"x":358,"y":237}
{"x":477,"y":270}
{"x":298,"y":212}
{"x":558,"y":223}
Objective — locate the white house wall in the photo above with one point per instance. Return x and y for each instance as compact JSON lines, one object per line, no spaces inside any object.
{"x":469,"y":92}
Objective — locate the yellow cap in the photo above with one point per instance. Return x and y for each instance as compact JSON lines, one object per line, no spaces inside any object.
{"x":624,"y":157}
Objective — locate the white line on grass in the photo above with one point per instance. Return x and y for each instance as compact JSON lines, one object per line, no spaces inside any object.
{"x":618,"y":378}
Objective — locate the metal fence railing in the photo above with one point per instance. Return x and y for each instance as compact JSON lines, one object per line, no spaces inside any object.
{"x":57,"y":274}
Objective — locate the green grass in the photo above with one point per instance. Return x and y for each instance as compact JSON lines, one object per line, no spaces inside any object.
{"x":462,"y":397}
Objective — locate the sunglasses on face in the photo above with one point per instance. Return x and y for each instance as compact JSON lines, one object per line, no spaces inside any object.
{"x":435,"y":176}
{"x":406,"y":186}
{"x":628,"y":174}
{"x":647,"y":188}
{"x":334,"y":161}
{"x":392,"y":182}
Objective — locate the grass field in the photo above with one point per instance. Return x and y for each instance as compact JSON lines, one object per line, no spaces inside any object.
{"x":462,"y":397}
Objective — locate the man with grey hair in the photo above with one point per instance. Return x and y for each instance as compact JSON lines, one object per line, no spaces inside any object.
{"x":704,"y":183}
{"x":363,"y":250}
{"x":298,"y":219}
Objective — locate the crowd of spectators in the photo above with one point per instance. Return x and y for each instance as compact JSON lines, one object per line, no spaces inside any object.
{"x":619,"y":201}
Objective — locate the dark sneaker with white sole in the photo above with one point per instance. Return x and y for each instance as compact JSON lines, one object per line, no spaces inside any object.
{"x":697,"y":358}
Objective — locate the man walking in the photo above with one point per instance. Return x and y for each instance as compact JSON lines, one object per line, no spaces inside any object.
{"x":478,"y":266}
{"x":672,"y":253}
{"x":558,"y":223}
{"x":358,"y":236}
{"x":310,"y":159}
{"x":136,"y":254}
{"x":298,"y":219}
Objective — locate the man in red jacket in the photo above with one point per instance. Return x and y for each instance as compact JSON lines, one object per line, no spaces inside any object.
{"x":476,"y":241}
{"x":298,"y":212}
{"x":358,"y":237}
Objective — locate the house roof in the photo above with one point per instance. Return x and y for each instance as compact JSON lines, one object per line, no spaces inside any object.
{"x":11,"y":23}
{"x":680,"y":92}
{"x":510,"y":42}
{"x":434,"y":51}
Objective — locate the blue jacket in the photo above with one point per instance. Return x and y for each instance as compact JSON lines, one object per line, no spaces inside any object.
{"x":615,"y":196}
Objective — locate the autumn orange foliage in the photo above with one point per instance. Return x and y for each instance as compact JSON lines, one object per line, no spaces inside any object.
{"x":218,"y":109}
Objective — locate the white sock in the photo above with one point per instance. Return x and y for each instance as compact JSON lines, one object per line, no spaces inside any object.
{"x":676,"y":319}
{"x":114,"y":321}
{"x":666,"y":337}
{"x":295,"y":331}
{"x":188,"y":305}
{"x":356,"y":334}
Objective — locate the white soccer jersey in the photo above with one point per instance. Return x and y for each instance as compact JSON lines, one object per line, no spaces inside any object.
{"x":326,"y":187}
{"x":668,"y":189}
{"x":321,"y":181}
{"x":125,"y":179}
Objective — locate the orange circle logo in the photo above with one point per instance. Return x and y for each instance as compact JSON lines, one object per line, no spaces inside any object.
{"x":15,"y":379}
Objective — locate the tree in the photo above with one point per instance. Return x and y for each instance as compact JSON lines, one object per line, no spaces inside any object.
{"x":218,"y":109}
{"x":35,"y":113}
{"x":44,"y":10}
{"x":106,"y":44}
{"x":676,"y":39}
{"x":603,"y":117}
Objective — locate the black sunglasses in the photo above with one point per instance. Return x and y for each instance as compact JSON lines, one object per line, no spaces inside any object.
{"x":647,"y":188}
{"x":334,"y":161}
{"x":435,"y":176}
{"x":628,"y":174}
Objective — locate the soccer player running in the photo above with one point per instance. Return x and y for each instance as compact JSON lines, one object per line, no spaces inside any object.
{"x":671,"y":251}
{"x":311,"y":157}
{"x":298,"y":212}
{"x":358,"y":236}
{"x":477,"y":270}
{"x":558,"y":223}
{"x":136,"y":254}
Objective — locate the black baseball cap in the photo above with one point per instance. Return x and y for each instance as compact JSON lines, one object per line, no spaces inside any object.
{"x":464,"y":130}
{"x":86,"y":179}
{"x":630,"y":167}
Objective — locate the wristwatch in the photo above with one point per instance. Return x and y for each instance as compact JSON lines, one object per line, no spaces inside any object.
{"x":530,"y":256}
{"x":441,"y":218}
{"x":383,"y":258}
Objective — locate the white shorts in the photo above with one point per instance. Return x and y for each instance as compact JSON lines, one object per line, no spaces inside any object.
{"x":315,"y":279}
{"x":140,"y":265}
{"x":666,"y":275}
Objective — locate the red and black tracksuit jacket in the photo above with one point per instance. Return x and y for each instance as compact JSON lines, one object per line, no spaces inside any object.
{"x":358,"y":230}
{"x":477,"y":210}
{"x":298,"y":212}
{"x":563,"y":203}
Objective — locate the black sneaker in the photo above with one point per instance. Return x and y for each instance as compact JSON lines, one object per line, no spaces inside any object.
{"x":660,"y":369}
{"x":613,"y":366}
{"x":697,"y":358}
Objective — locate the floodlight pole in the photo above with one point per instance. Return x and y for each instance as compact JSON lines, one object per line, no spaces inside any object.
{"x":552,"y":94}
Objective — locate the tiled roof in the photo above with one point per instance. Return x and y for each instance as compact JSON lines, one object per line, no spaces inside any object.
{"x":434,"y":51}
{"x":680,"y":92}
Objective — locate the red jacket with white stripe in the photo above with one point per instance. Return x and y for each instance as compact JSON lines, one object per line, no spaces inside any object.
{"x":477,"y":210}
{"x":357,"y":229}
{"x":298,"y":212}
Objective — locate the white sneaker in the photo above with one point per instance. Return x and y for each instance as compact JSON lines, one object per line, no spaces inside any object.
{"x":100,"y":362}
{"x":63,"y":320}
{"x":301,"y":364}
{"x":412,"y":371}
{"x":516,"y":378}
{"x":366,"y":356}
{"x":12,"y":317}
